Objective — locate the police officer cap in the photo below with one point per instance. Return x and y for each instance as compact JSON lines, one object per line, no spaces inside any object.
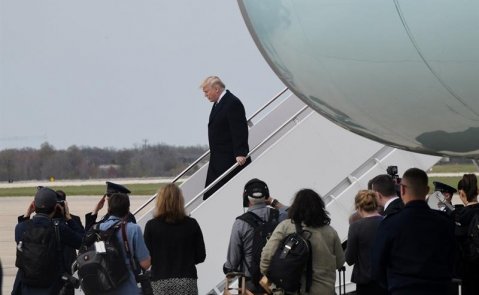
{"x":256,"y":188}
{"x":112,"y":188}
{"x":45,"y":198}
{"x":442,"y":187}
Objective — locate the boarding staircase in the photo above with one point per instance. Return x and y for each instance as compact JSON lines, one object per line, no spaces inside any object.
{"x":292,"y":147}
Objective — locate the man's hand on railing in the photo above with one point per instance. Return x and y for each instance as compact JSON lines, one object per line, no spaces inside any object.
{"x":241,"y":160}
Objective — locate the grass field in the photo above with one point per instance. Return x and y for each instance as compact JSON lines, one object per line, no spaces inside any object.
{"x":83,"y":190}
{"x":151,"y":188}
{"x":453,"y":168}
{"x":450,"y":168}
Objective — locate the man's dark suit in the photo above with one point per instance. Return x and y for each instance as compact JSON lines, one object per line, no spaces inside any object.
{"x":227,"y":137}
{"x":414,"y":250}
{"x":394,"y":207}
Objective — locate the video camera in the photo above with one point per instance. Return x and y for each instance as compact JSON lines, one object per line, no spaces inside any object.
{"x":393,"y":172}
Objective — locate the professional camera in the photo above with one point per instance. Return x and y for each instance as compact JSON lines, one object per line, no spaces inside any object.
{"x":145,"y":282}
{"x":60,"y":212}
{"x":393,"y":172}
{"x":69,"y":283}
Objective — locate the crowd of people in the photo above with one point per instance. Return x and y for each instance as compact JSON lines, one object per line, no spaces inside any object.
{"x":397,"y":244}
{"x":171,"y":246}
{"x":414,"y":249}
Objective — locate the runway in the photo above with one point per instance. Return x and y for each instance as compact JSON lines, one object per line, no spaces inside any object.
{"x":12,"y":207}
{"x":80,"y":182}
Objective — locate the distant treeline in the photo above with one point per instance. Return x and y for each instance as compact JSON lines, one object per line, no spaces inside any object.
{"x":88,"y":162}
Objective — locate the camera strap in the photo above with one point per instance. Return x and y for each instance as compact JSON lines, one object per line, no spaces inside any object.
{"x":59,"y":246}
{"x":127,"y":248}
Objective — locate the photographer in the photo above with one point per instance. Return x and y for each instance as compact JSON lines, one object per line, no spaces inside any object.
{"x":62,"y":198}
{"x":393,"y":172}
{"x":34,"y":268}
{"x":69,"y":253}
{"x":63,"y":215}
{"x":60,"y":213}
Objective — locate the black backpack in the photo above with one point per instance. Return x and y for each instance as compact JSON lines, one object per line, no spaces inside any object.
{"x":101,"y":262}
{"x":292,"y":257}
{"x":472,"y":241}
{"x":38,"y":254}
{"x":262,"y":232}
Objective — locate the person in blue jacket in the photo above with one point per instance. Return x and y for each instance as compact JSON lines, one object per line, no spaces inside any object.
{"x":118,"y":210}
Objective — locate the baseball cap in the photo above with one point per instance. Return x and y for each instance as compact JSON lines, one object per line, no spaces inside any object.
{"x":45,"y":198}
{"x":256,"y":188}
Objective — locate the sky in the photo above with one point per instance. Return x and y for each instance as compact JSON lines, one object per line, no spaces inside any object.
{"x":117,"y":73}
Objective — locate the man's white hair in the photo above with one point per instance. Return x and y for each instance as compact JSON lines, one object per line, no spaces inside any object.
{"x":213,"y":81}
{"x":255,"y":201}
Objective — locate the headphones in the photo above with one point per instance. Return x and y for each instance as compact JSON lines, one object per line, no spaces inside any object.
{"x":255,"y":188}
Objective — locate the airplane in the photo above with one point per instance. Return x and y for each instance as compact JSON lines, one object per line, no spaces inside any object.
{"x":398,"y":72}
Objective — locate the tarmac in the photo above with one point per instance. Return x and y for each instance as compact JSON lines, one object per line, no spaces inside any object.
{"x":12,"y":207}
{"x":80,"y":182}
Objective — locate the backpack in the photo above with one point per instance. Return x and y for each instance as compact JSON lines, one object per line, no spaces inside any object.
{"x":37,"y":254}
{"x":291,"y":258}
{"x":101,"y":263}
{"x":262,"y":231}
{"x":472,"y":240}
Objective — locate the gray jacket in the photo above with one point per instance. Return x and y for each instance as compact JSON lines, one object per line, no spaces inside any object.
{"x":240,"y":248}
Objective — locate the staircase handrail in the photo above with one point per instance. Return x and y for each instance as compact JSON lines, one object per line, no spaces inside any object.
{"x":218,"y":179}
{"x":268,"y":103}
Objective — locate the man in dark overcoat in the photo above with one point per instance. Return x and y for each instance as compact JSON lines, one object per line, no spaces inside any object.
{"x":227,"y":133}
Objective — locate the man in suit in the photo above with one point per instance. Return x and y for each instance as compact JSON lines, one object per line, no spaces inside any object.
{"x":385,"y":188}
{"x":414,"y":249}
{"x":227,"y":133}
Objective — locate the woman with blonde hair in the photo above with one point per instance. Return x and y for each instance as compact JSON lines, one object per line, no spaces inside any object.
{"x":361,"y":235}
{"x":176,"y":245}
